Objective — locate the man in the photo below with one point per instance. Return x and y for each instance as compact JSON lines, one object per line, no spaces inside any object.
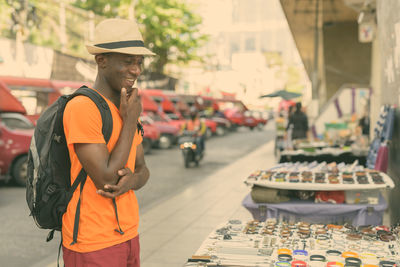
{"x":108,"y":233}
{"x":195,"y":124}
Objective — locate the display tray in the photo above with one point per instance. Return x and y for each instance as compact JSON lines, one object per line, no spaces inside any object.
{"x":321,"y":181}
{"x":312,"y":151}
{"x":273,"y":243}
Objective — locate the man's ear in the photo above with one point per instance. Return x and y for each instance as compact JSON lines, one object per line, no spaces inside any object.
{"x":101,"y":60}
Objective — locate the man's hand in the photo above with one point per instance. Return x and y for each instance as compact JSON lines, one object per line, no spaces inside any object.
{"x":125,"y":183}
{"x":130,"y":105}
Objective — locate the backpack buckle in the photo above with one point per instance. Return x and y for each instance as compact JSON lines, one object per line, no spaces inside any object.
{"x":51,"y":189}
{"x":57,"y":138}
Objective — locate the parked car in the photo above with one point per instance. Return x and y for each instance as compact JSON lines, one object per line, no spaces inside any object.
{"x":165,"y":106}
{"x":249,"y":120}
{"x":151,"y":133}
{"x":16,"y":132}
{"x":235,"y":116}
{"x":179,"y":103}
{"x":168,"y":130}
{"x":237,"y":113}
{"x":261,"y":118}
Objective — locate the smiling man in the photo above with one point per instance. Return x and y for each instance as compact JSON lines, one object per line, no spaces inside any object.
{"x":109,"y":213}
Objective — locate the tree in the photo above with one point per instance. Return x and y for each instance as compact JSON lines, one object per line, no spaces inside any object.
{"x":170,"y":28}
{"x":100,"y":7}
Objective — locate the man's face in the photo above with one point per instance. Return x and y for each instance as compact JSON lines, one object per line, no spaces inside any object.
{"x":122,"y":70}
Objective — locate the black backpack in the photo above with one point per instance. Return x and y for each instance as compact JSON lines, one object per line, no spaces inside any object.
{"x":48,"y":186}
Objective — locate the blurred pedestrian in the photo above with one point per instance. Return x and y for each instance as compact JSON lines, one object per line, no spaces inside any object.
{"x":109,"y":212}
{"x":364,"y":124}
{"x":298,"y":123}
{"x":362,"y":130}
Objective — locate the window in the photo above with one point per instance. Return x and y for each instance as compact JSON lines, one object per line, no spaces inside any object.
{"x":16,"y":121}
{"x":172,"y":115}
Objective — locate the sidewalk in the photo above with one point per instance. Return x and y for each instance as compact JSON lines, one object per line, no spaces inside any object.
{"x":172,"y":231}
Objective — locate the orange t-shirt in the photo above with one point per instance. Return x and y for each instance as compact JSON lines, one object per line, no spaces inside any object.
{"x":83,"y":124}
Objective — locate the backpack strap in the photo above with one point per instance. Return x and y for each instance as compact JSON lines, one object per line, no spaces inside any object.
{"x":102,"y":106}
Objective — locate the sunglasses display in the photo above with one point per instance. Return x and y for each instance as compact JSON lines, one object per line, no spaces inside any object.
{"x":273,"y":243}
{"x":318,"y":180}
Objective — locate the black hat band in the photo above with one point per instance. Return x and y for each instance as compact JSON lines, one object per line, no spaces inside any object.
{"x":121,"y":44}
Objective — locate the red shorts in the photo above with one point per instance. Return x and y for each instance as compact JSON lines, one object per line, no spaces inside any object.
{"x":126,"y":254}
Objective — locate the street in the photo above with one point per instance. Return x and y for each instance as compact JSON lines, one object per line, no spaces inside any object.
{"x":23,"y":244}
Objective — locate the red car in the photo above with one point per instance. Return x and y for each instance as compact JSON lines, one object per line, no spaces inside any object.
{"x":236,"y":112}
{"x":16,"y":132}
{"x":234,"y":116}
{"x":151,"y":133}
{"x":168,"y":131}
{"x":260,"y":117}
{"x":249,"y":120}
{"x":164,"y":104}
{"x":180,"y":105}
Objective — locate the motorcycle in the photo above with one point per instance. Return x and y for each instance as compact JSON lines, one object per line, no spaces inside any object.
{"x":190,"y":150}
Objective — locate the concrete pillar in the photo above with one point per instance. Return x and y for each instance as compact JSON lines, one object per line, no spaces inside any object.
{"x":388,"y":17}
{"x":389,"y":33}
{"x":376,"y":97}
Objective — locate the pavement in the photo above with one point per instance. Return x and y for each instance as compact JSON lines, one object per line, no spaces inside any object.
{"x":173,"y":230}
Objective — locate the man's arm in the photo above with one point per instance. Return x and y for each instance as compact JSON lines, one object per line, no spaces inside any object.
{"x":128,"y":180}
{"x":102,"y":166}
{"x":141,"y":173}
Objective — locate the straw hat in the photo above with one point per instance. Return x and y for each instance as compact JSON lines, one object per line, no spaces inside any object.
{"x":118,"y":36}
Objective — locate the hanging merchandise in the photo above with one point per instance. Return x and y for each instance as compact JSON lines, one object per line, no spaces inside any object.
{"x":377,"y":157}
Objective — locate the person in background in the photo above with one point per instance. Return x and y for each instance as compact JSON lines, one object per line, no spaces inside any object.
{"x":362,"y":130}
{"x":298,"y":123}
{"x":364,"y":124}
{"x":194,"y":123}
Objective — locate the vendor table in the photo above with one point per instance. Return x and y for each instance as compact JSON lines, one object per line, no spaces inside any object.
{"x":307,"y":210}
{"x":345,"y":157}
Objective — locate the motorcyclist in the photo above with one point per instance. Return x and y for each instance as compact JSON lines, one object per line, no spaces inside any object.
{"x":195,"y":124}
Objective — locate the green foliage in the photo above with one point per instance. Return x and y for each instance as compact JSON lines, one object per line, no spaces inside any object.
{"x":104,"y":8}
{"x":171,"y":30}
{"x":169,"y":27}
